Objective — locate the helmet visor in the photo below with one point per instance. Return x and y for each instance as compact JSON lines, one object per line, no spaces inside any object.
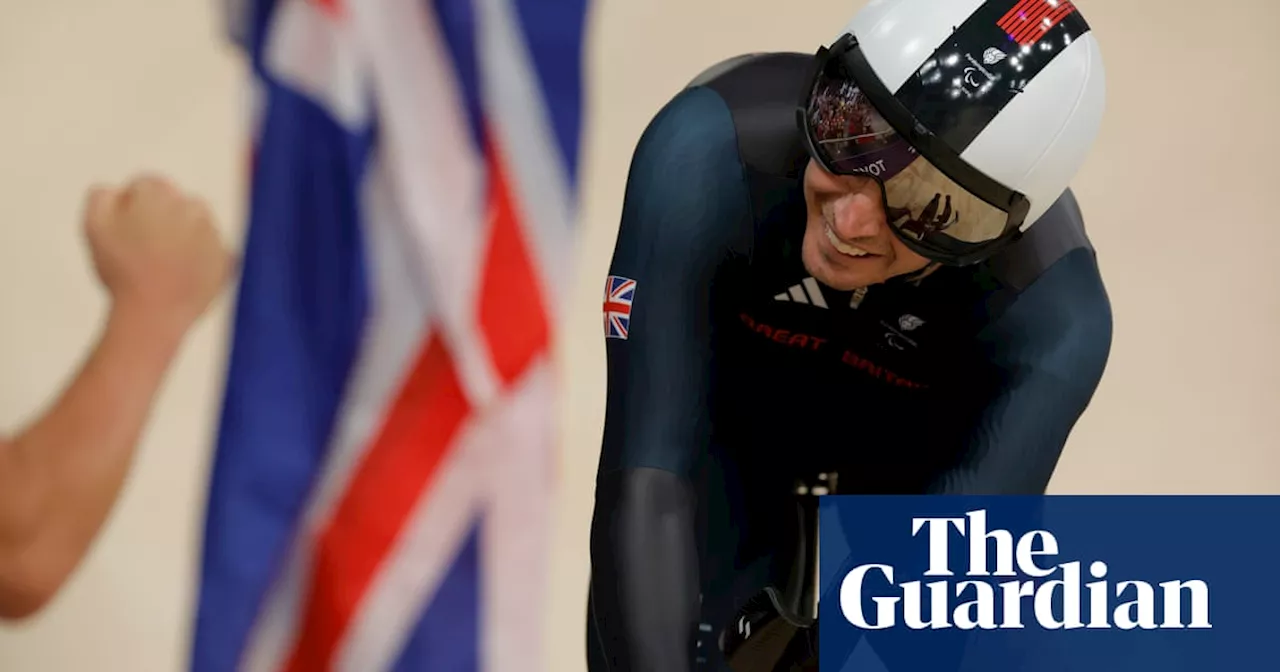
{"x":928,"y":209}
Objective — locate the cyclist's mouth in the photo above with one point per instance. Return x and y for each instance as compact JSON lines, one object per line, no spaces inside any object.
{"x":844,"y":248}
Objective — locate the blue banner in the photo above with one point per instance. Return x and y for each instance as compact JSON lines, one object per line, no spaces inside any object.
{"x":1049,"y":584}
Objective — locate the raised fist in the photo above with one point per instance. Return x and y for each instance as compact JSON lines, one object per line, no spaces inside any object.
{"x":156,"y":250}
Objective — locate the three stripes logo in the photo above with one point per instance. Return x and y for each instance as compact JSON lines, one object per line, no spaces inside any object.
{"x":806,"y":291}
{"x":1029,"y":20}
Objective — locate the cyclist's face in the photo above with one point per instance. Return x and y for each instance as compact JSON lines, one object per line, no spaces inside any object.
{"x":847,"y":241}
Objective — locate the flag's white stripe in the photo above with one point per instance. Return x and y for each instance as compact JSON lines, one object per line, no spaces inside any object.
{"x":437,"y":175}
{"x":518,"y":528}
{"x":319,"y":57}
{"x":539,"y":180}
{"x":393,"y":337}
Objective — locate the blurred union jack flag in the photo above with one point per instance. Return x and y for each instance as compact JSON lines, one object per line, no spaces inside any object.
{"x":380,"y":493}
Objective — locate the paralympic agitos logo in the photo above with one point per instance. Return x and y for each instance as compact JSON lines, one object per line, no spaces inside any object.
{"x":1025,"y":588}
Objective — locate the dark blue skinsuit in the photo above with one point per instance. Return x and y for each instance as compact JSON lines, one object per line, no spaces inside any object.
{"x":739,"y":373}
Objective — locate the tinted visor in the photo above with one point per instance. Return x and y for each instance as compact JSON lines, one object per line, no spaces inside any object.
{"x":929,"y":210}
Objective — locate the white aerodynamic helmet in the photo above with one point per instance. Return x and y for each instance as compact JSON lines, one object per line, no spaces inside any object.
{"x":974,"y":115}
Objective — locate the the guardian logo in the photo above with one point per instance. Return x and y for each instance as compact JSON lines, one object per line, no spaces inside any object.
{"x":1035,"y":587}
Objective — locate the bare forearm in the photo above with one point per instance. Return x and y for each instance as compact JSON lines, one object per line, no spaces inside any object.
{"x":59,"y":478}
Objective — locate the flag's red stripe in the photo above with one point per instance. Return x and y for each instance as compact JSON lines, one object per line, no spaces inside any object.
{"x":1010,"y":21}
{"x":1032,"y":26}
{"x":612,"y":307}
{"x":390,"y":479}
{"x":512,"y":314}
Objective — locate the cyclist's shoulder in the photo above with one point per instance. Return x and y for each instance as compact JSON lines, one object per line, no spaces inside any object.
{"x":685,"y":190}
{"x":1049,"y":283}
{"x":761,"y":92}
{"x":738,"y":113}
{"x":719,"y":166}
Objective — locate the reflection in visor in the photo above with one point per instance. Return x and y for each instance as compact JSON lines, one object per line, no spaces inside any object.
{"x":853,"y":135}
{"x":921,"y":202}
{"x":929,"y":221}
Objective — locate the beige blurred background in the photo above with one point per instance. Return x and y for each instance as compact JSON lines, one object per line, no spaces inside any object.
{"x":1179,"y":196}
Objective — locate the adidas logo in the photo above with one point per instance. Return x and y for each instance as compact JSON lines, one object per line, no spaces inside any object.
{"x":806,"y":291}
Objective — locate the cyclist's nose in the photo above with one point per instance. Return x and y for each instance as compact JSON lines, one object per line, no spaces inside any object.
{"x":856,"y":215}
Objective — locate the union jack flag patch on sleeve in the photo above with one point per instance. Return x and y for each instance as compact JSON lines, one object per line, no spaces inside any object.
{"x":619,"y":292}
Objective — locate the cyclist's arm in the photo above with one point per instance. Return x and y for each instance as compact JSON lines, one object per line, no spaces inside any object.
{"x":1051,"y":347}
{"x":685,"y":208}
